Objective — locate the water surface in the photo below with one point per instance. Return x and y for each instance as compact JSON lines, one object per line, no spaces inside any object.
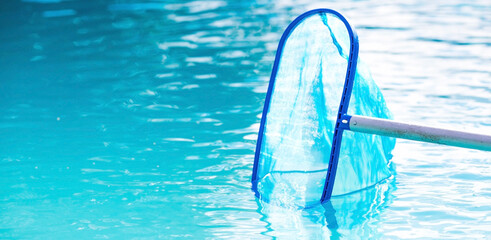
{"x":126,"y":119}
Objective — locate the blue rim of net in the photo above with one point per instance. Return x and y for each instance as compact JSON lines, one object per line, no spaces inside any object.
{"x":343,"y":106}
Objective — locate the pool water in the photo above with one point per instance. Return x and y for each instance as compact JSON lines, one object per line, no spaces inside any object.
{"x":138,"y":120}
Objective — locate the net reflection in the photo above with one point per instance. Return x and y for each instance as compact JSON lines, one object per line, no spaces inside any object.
{"x":352,"y":216}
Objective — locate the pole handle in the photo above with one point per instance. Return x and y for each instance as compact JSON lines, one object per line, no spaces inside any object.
{"x":390,"y":128}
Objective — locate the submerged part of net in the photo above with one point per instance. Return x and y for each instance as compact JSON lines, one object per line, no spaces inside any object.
{"x":296,"y":142}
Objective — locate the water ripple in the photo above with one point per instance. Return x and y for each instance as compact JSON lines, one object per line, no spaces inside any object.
{"x":126,"y":119}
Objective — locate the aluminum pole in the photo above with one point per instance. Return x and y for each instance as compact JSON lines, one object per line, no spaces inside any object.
{"x":391,"y":128}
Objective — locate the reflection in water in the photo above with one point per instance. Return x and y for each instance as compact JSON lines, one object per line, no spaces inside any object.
{"x":352,"y":216}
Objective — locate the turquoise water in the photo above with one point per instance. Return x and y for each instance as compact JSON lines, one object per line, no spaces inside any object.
{"x":139,"y":120}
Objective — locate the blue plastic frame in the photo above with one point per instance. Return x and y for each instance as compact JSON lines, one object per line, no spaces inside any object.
{"x":343,"y":107}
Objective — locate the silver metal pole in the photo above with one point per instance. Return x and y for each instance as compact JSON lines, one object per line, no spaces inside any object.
{"x":391,"y":128}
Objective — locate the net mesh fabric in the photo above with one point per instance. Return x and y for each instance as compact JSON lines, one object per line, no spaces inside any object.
{"x":298,"y":131}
